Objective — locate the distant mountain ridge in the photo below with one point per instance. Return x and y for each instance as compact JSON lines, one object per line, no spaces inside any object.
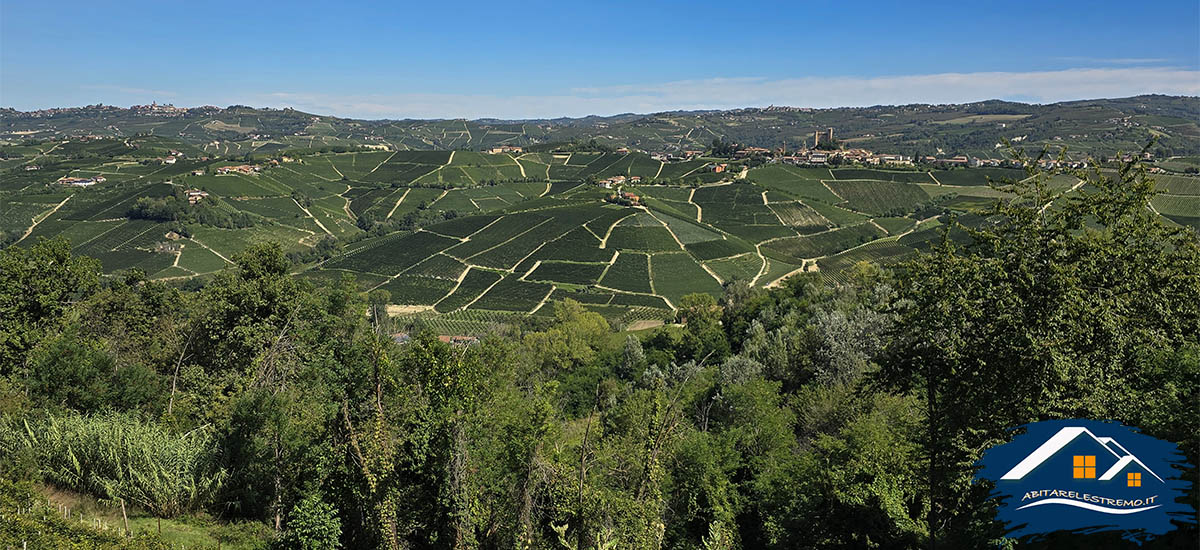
{"x":1087,"y":126}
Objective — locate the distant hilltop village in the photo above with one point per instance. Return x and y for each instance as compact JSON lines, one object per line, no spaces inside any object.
{"x":154,"y":108}
{"x":825,"y":150}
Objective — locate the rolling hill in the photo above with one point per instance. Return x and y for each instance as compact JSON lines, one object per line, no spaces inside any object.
{"x":467,"y":238}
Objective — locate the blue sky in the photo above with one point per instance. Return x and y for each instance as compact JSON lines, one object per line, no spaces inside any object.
{"x":543,"y":59}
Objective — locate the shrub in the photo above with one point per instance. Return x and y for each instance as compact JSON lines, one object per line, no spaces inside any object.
{"x":311,"y":525}
{"x":116,"y":456}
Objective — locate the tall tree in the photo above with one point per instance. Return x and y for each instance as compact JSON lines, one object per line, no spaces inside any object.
{"x":37,"y":284}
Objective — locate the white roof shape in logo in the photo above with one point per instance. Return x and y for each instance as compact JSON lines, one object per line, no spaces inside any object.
{"x":1066,"y":436}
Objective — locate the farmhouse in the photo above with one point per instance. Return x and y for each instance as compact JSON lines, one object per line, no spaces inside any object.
{"x":505,"y":149}
{"x":718,"y":168}
{"x":624,"y":198}
{"x":195,"y":195}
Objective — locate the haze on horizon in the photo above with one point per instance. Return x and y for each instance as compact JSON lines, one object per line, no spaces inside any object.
{"x":544,"y":60}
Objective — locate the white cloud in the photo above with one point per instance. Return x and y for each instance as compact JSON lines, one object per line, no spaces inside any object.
{"x":725,"y":93}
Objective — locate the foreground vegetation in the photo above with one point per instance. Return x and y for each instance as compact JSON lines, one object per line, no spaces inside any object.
{"x":819,"y":414}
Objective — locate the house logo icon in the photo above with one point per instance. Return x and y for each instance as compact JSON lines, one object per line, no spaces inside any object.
{"x":1086,"y":475}
{"x":1083,"y":467}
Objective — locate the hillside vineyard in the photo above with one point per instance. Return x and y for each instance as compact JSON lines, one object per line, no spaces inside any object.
{"x":485,"y":222}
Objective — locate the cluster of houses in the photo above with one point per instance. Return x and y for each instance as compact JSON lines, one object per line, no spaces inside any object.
{"x":969,"y":162}
{"x":501,"y":149}
{"x":609,"y":183}
{"x":752,"y":152}
{"x":1130,"y":157}
{"x":156,"y":109}
{"x":862,"y":156}
{"x":80,"y":182}
{"x":818,"y":156}
{"x":1051,"y":163}
{"x":239,"y":169}
{"x":976,"y":162}
{"x":676,"y":157}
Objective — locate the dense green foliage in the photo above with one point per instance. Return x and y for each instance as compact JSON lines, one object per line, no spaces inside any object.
{"x":811,"y":415}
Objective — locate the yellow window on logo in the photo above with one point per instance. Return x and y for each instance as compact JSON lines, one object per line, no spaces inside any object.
{"x":1085,"y":467}
{"x":1133,"y":479}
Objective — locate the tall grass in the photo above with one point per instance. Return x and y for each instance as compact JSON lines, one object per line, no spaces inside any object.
{"x":115,"y":456}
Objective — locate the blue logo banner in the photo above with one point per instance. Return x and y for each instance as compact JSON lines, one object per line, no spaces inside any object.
{"x":1086,"y":476}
